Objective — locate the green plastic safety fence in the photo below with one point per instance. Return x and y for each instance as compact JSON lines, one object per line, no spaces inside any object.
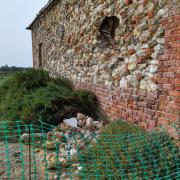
{"x":41,"y":152}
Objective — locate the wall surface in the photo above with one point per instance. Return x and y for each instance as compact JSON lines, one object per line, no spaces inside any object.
{"x":127,"y":52}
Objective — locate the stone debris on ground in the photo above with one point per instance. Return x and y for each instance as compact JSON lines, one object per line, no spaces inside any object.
{"x":71,"y":136}
{"x":52,"y":152}
{"x":63,"y":143}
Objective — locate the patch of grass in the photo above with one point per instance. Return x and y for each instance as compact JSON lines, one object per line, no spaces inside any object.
{"x":4,"y":78}
{"x":34,"y":95}
{"x":121,"y":127}
{"x":124,"y":151}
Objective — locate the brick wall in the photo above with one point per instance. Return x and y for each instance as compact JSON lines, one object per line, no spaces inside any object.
{"x":169,"y":72}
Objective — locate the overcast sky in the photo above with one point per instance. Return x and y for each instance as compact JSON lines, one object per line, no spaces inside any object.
{"x":15,"y":41}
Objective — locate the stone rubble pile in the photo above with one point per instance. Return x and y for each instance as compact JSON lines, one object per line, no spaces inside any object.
{"x":65,"y":141}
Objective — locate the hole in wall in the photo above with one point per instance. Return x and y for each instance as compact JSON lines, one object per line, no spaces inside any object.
{"x":107,"y":31}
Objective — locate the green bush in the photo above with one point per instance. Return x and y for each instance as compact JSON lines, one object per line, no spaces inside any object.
{"x":4,"y":78}
{"x":32,"y":78}
{"x":34,"y":95}
{"x":124,"y":151}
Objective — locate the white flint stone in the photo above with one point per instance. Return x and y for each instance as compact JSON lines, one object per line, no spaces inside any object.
{"x":131,"y":46}
{"x":138,"y":47}
{"x":158,"y":47}
{"x":98,"y":9}
{"x":154,"y":62}
{"x":161,"y":3}
{"x":126,"y":59}
{"x":143,"y":25}
{"x":163,"y":12}
{"x":145,"y":46}
{"x":151,"y":86}
{"x":123,"y":83}
{"x":132,"y":58}
{"x":152,"y":69}
{"x":160,"y":40}
{"x":113,"y":61}
{"x":80,"y":168}
{"x":70,"y":52}
{"x":147,"y":85}
{"x":123,"y":49}
{"x":143,"y":84}
{"x":115,"y":72}
{"x":25,"y":137}
{"x":132,"y":65}
{"x":72,"y":122}
{"x":143,"y":72}
{"x":140,"y":9}
{"x":73,"y":152}
{"x":155,"y":55}
{"x":150,"y":6}
{"x":132,"y":81}
{"x":140,"y":53}
{"x":56,"y":176}
{"x":80,"y":116}
{"x":89,"y":122}
{"x":136,"y":72}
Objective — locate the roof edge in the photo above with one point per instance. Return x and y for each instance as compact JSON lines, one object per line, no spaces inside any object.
{"x":49,"y":5}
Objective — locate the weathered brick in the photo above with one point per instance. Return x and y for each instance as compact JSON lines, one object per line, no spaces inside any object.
{"x":152,"y":95}
{"x":164,"y":57}
{"x":163,"y":69}
{"x":177,"y":87}
{"x":171,"y":63}
{"x":167,"y":86}
{"x":149,"y":111}
{"x":149,"y":100}
{"x":143,"y":125}
{"x":129,"y":111}
{"x":142,"y":104}
{"x":174,"y":57}
{"x":168,"y":75}
{"x":151,"y":123}
{"x":130,"y":120}
{"x":141,"y":93}
{"x":163,"y":80}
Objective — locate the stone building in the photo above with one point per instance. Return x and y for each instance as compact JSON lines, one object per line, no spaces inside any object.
{"x":126,"y":51}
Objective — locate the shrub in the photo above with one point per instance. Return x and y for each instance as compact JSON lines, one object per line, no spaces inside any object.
{"x":32,"y":78}
{"x":87,"y":100}
{"x":33,"y":94}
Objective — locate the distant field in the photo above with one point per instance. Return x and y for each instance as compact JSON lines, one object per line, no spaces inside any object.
{"x":4,"y":77}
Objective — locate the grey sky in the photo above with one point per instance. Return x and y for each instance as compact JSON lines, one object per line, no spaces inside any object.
{"x":15,"y":41}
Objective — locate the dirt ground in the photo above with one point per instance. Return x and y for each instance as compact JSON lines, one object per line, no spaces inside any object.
{"x":17,"y":163}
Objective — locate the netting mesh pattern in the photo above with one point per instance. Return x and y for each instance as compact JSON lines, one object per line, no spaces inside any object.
{"x":132,"y":157}
{"x":118,"y":156}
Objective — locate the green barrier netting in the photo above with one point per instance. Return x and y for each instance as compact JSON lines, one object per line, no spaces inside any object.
{"x":107,"y":157}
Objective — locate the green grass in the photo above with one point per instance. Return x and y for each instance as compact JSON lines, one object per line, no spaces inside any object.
{"x":34,"y":95}
{"x":124,"y":151}
{"x":4,"y":78}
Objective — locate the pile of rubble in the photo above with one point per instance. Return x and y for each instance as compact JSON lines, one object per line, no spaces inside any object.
{"x":62,"y":144}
